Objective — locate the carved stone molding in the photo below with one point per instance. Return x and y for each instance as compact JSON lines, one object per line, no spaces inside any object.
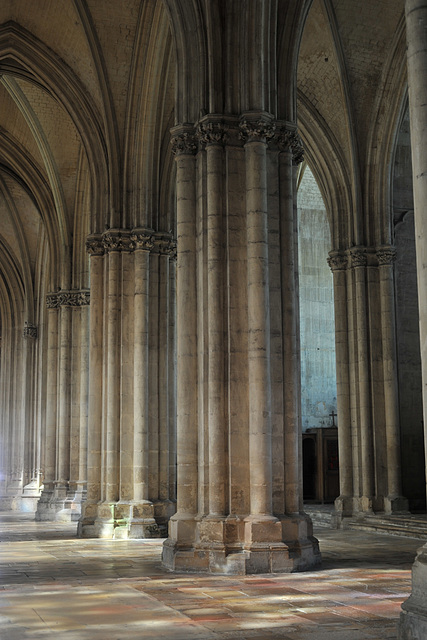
{"x":77,"y":298}
{"x":282,"y":136}
{"x":30,"y":331}
{"x":139,"y":239}
{"x":337,"y":261}
{"x":117,"y":240}
{"x":212,"y":132}
{"x":164,"y":245}
{"x":142,"y":239}
{"x":296,"y":147}
{"x":358,"y":257}
{"x":183,"y":141}
{"x":287,"y":138}
{"x":386,"y":255}
{"x":257,"y":126}
{"x":94,"y":245}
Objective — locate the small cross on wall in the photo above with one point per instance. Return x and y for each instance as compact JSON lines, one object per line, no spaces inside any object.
{"x":333,"y":415}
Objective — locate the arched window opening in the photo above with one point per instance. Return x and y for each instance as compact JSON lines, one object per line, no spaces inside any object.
{"x":317,"y":335}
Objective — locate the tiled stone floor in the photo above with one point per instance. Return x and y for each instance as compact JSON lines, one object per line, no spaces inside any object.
{"x":53,"y":585}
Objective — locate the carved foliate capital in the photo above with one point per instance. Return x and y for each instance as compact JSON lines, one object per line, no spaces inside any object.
{"x":282,"y":136}
{"x":212,"y":132}
{"x":287,"y":138}
{"x":337,"y":261}
{"x":142,"y":239}
{"x":358,"y":257}
{"x":386,"y":255}
{"x":183,"y":141}
{"x":117,"y":240}
{"x":52,"y":301}
{"x":75,"y":298}
{"x":164,"y":245}
{"x":30,"y":330}
{"x":94,"y":245}
{"x":297,"y":147}
{"x":257,"y":126}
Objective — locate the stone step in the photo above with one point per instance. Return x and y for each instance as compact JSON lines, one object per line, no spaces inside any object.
{"x":408,"y":526}
{"x":320,"y":514}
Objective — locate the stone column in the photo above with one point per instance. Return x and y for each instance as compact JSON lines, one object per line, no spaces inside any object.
{"x":143,"y":515}
{"x":212,"y":134}
{"x":413,"y":624}
{"x":359,"y":264}
{"x":64,"y":402}
{"x":166,"y":383}
{"x":126,"y":492}
{"x":172,"y":374}
{"x":289,"y":327}
{"x":112,"y":334}
{"x":225,"y":520}
{"x":394,"y":500}
{"x":183,"y":524}
{"x":87,"y":524}
{"x":261,"y":525}
{"x":44,"y":509}
{"x":344,"y":503}
{"x":30,"y":456}
{"x":81,"y":492}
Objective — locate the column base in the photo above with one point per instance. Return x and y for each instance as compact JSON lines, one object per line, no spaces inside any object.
{"x":57,"y":505}
{"x":237,"y":546}
{"x":163,"y":511}
{"x":363,"y":505}
{"x":395,"y":504}
{"x":413,"y":619}
{"x":26,"y":504}
{"x":343,"y":506}
{"x":118,"y":520}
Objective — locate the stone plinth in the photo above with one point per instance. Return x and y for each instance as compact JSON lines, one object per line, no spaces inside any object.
{"x":240,"y":546}
{"x":413,"y":619}
{"x":118,"y":520}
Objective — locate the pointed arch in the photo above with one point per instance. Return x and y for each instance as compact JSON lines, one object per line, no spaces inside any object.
{"x":189,"y":36}
{"x":382,"y":138}
{"x":148,"y":116}
{"x":23,"y":169}
{"x":24,"y":56}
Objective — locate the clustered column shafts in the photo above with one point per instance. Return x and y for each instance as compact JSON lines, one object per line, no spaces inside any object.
{"x":258,"y":315}
{"x":112,"y":418}
{"x":225,"y":519}
{"x":126,"y":480}
{"x":186,"y":297}
{"x":369,"y":447}
{"x":61,"y":464}
{"x":63,"y":435}
{"x":163,"y":373}
{"x":213,"y":135}
{"x":338,"y":262}
{"x":51,"y":403}
{"x":21,"y":446}
{"x":96,"y":251}
{"x":84,"y":401}
{"x":143,"y":243}
{"x":386,"y":256}
{"x":359,"y":264}
{"x":291,"y":370}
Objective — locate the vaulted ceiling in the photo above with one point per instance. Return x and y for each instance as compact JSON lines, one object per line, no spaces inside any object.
{"x":87,"y":101}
